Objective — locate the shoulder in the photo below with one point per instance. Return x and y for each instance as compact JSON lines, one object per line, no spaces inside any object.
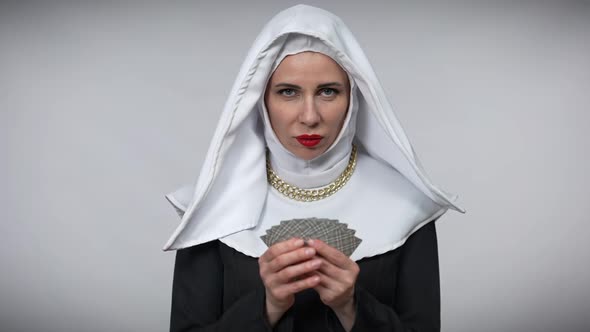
{"x":379,"y":176}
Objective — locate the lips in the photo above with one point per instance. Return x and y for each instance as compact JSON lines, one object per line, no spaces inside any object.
{"x":309,"y":140}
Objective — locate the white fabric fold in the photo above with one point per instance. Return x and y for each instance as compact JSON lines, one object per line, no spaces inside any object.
{"x":382,"y":218}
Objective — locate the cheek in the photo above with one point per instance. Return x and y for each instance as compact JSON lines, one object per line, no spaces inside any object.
{"x":277,"y":115}
{"x":272,"y":109}
{"x":338,"y":114}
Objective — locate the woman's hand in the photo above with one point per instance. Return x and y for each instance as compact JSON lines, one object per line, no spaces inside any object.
{"x":338,"y":275}
{"x":283,"y":268}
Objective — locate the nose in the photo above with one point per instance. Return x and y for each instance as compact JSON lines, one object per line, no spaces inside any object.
{"x":309,"y":114}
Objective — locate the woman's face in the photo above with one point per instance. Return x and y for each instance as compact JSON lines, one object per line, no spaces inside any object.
{"x":307,"y":99}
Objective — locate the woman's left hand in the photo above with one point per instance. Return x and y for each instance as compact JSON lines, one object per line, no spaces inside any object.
{"x":338,"y":274}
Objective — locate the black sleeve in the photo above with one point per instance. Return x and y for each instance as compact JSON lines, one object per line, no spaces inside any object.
{"x":417,"y":300}
{"x":197,"y":296}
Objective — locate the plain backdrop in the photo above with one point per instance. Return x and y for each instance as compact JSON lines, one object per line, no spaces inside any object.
{"x":107,"y":106}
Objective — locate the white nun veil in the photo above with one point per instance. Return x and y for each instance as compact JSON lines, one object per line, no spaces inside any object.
{"x":230,"y":197}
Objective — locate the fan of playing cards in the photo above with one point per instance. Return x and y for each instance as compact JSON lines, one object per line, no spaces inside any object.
{"x":332,"y":232}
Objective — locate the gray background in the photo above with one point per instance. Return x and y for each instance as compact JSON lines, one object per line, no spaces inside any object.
{"x":106,"y":107}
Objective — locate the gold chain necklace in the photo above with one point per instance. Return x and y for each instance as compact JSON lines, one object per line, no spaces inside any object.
{"x":309,"y":195}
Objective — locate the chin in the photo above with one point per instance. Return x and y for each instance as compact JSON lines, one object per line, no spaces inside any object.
{"x":309,"y":153}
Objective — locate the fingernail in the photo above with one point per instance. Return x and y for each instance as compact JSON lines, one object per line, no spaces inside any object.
{"x":315,"y":263}
{"x":309,"y":251}
{"x":310,"y":242}
{"x":299,"y":242}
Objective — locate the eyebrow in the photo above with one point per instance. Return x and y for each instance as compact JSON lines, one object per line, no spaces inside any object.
{"x":294,"y":86}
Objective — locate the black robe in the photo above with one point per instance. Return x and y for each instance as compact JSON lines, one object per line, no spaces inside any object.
{"x":217,"y":288}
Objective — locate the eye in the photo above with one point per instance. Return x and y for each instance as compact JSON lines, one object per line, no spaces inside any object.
{"x":329,"y":92}
{"x":287,"y":92}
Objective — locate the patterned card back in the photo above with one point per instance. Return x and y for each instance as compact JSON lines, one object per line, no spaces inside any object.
{"x":330,"y":231}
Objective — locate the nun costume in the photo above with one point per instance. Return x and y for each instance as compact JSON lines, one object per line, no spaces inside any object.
{"x":369,"y":178}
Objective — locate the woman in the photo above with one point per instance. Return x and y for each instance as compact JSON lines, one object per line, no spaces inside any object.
{"x":307,"y":110}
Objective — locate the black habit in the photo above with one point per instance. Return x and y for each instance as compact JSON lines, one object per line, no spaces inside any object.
{"x":217,"y":288}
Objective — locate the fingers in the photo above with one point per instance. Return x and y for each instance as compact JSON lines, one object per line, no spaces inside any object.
{"x":338,"y":274}
{"x":289,"y":278}
{"x":300,"y":271}
{"x":330,"y":269}
{"x":291,"y":258}
{"x":286,"y":268}
{"x":288,"y":289}
{"x":281,"y":248}
{"x":332,"y":254}
{"x":284,"y":254}
{"x":333,"y":292}
{"x":334,"y":278}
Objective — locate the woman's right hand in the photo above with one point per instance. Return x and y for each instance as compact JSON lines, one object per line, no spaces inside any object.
{"x":285,"y":270}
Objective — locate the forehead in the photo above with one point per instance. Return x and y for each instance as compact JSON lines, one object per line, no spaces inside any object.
{"x":309,"y":66}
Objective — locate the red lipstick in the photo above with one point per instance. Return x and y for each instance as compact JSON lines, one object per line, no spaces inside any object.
{"x":309,"y":140}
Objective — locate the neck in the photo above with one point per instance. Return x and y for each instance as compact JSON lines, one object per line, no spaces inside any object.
{"x":308,"y":174}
